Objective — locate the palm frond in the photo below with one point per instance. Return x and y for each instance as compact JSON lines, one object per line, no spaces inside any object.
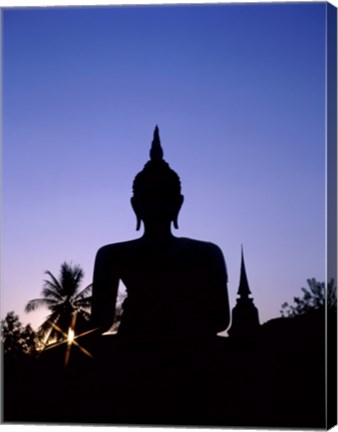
{"x":85,"y":302}
{"x":39,"y":302}
{"x":63,"y":298}
{"x":84,"y":293}
{"x":78,"y":276}
{"x":49,"y":292}
{"x":70,"y":278}
{"x":55,"y":283}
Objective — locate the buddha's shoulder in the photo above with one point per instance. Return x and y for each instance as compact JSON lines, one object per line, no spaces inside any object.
{"x":200,"y":245}
{"x":114,"y":249}
{"x":137,"y":245}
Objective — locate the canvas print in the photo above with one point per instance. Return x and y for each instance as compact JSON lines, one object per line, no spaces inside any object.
{"x":169,"y":215}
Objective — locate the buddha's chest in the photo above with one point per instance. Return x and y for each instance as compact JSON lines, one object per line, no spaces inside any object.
{"x":165,"y":269}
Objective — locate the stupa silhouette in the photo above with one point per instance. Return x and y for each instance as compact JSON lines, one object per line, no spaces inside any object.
{"x":245,"y":318}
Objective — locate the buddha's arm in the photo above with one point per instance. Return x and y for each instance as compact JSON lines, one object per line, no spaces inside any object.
{"x":105,"y":285}
{"x":218,"y":294}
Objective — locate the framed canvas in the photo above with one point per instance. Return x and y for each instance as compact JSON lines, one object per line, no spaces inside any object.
{"x":170,"y":215}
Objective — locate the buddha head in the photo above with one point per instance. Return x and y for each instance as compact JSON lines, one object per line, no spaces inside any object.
{"x":156,"y":189}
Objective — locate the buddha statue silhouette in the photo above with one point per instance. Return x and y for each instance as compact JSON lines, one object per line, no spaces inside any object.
{"x":176,"y":287}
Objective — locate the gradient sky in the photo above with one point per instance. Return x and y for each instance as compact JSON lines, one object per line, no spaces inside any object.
{"x":238,"y":92}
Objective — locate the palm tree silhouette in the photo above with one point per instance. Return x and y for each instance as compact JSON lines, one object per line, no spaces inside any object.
{"x":64,"y":300}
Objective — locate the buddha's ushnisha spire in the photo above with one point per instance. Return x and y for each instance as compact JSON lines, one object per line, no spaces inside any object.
{"x":157,"y":172}
{"x":156,"y":152}
{"x":243,"y":289}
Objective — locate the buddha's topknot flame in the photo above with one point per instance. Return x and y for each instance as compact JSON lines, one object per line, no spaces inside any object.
{"x":156,"y":151}
{"x":157,"y":173}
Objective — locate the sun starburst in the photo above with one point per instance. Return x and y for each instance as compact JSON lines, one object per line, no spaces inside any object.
{"x":70,"y":339}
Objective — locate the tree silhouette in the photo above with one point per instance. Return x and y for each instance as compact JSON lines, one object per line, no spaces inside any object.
{"x":316,"y":298}
{"x":64,"y":299}
{"x":18,"y":340}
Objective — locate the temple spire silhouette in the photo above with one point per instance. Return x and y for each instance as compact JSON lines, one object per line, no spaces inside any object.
{"x":245,"y":319}
{"x":243,"y":290}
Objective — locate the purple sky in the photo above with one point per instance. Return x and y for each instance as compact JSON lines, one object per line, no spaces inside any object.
{"x":238,"y":92}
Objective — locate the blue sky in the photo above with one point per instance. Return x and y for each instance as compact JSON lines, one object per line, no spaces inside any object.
{"x":238,"y":92}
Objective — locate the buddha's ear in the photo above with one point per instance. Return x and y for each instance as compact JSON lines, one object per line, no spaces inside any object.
{"x":180,"y":200}
{"x":138,"y":223}
{"x":134,"y":205}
